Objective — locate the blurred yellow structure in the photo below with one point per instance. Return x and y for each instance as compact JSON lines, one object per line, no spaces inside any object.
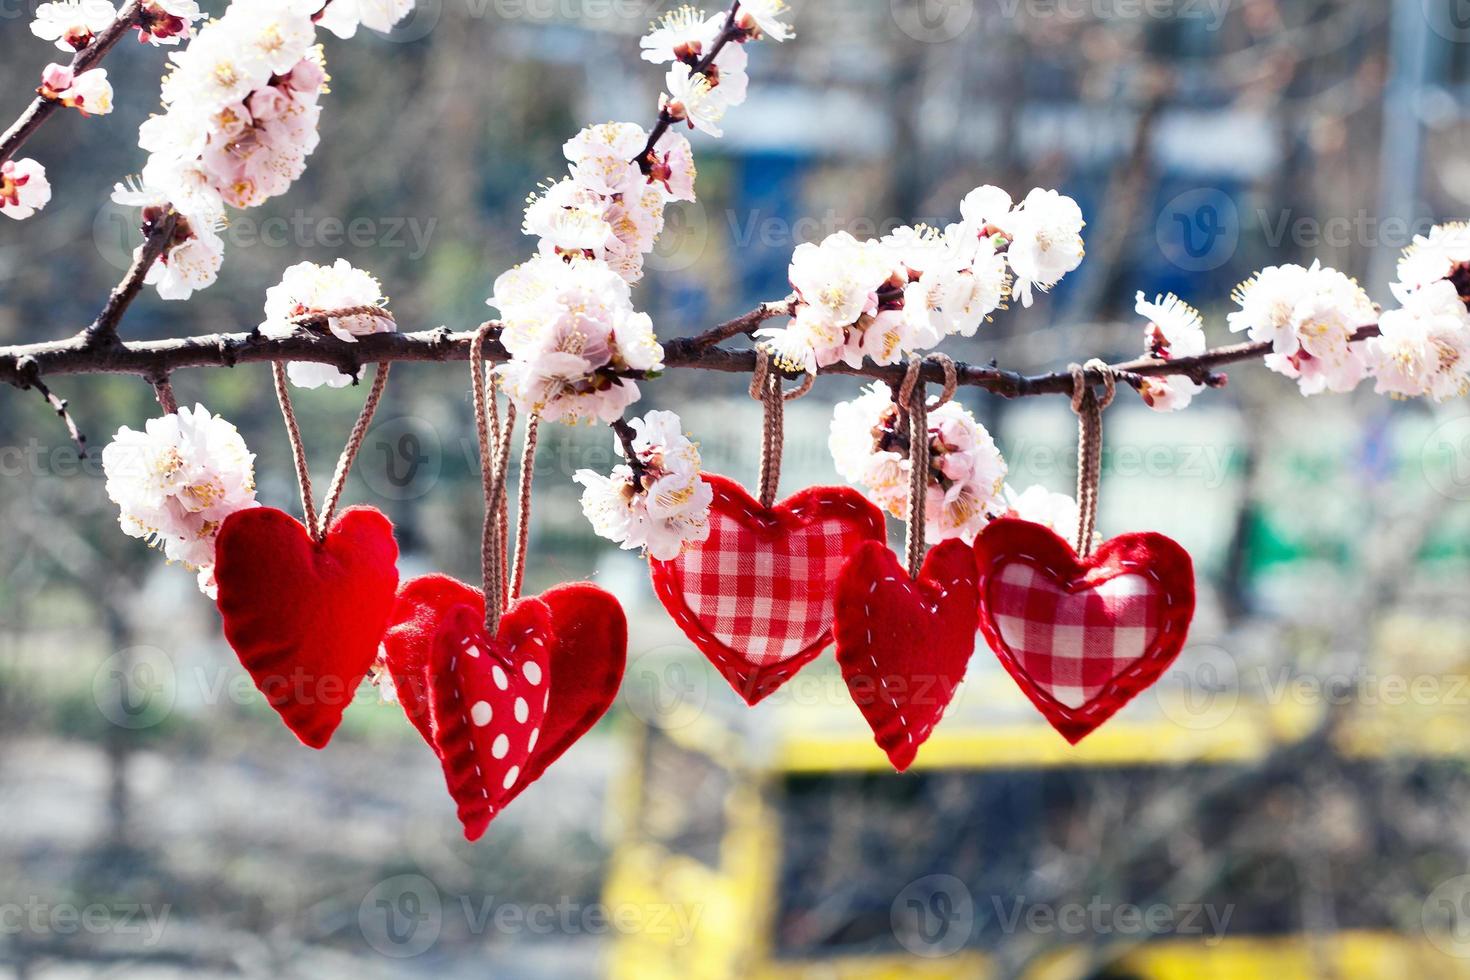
{"x":783,"y":834}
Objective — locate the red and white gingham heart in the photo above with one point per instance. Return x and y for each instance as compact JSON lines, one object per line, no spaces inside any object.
{"x":1080,"y":636}
{"x":756,"y":597}
{"x":487,"y":703}
{"x":1073,"y":643}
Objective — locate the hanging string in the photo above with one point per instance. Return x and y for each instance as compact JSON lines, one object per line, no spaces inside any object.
{"x":1089,"y":409}
{"x":523,"y":517}
{"x":323,"y":316}
{"x":316,"y":525}
{"x":163,"y":390}
{"x":911,"y":399}
{"x":494,"y":442}
{"x":765,"y":387}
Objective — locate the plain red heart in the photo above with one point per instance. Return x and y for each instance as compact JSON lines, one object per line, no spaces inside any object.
{"x":588,"y":653}
{"x":306,"y":619}
{"x":903,"y":645}
{"x":756,"y":597}
{"x":1082,"y":637}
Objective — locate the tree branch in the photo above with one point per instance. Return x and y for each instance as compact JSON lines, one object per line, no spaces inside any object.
{"x":21,"y":365}
{"x":89,"y":57}
{"x":157,"y":238}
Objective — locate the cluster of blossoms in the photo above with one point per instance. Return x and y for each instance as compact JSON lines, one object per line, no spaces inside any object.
{"x":72,"y":24}
{"x":660,"y":506}
{"x":1310,"y":316}
{"x":700,"y":94}
{"x":573,"y":336}
{"x":176,"y":482}
{"x":966,"y":471}
{"x":240,"y":118}
{"x":884,"y":300}
{"x":24,"y":189}
{"x":1424,"y":347}
{"x":608,"y":208}
{"x":307,"y":288}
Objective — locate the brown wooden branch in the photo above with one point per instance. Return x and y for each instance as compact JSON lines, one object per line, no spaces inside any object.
{"x":89,"y":57}
{"x":157,"y":237}
{"x":22,"y":365}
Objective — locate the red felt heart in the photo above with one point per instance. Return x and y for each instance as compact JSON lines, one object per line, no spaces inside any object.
{"x":756,"y":597}
{"x":306,"y":619}
{"x":588,"y":651}
{"x":903,"y":645}
{"x":1082,"y":636}
{"x":487,"y":701}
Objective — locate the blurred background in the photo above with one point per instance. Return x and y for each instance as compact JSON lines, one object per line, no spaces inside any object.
{"x":1290,"y":800}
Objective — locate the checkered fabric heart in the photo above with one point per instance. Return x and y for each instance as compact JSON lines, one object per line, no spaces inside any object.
{"x":1082,"y":636}
{"x":756,"y":597}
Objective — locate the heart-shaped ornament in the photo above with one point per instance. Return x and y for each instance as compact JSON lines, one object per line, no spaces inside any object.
{"x":587,"y":654}
{"x":903,"y":645}
{"x":487,"y":701}
{"x":1082,"y":636}
{"x":306,"y":619}
{"x":756,"y":597}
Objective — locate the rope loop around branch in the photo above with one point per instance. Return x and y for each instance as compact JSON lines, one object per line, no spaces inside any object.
{"x":766,"y":388}
{"x":1089,"y":408}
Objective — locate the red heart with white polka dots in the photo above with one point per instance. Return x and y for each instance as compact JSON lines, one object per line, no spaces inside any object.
{"x":487,"y":701}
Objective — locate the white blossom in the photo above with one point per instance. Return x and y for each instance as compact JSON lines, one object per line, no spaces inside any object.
{"x":176,"y":482}
{"x":1443,"y":253}
{"x":310,"y":288}
{"x":1045,"y":232}
{"x":24,"y":189}
{"x":692,"y":98}
{"x":71,"y":24}
{"x":342,"y":17}
{"x":1309,"y":316}
{"x":90,"y":93}
{"x":662,"y":506}
{"x":763,"y":18}
{"x":1175,"y":329}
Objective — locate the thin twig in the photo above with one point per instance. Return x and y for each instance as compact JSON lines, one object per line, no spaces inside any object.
{"x":58,"y":405}
{"x":727,"y":34}
{"x":40,"y":108}
{"x":625,"y":435}
{"x":104,"y":328}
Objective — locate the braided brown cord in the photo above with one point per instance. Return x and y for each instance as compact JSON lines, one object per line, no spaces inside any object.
{"x":1089,"y":409}
{"x":487,"y":429}
{"x":317,"y":525}
{"x":919,"y":447}
{"x":164,"y":391}
{"x":765,"y":387}
{"x":354,"y":445}
{"x":311,"y":316}
{"x":523,"y":517}
{"x":298,"y":451}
